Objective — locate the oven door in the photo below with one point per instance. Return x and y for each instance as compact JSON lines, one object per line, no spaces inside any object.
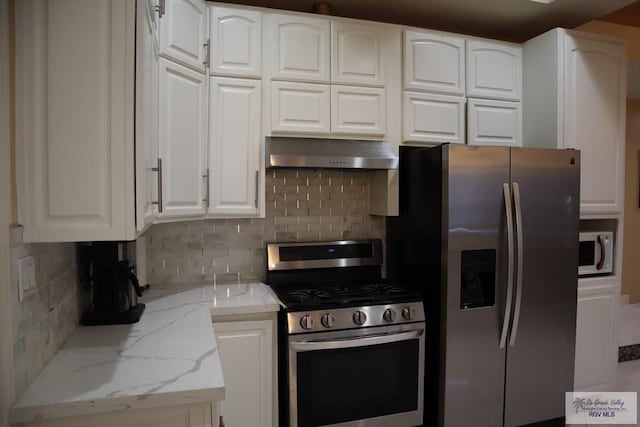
{"x":367,"y":377}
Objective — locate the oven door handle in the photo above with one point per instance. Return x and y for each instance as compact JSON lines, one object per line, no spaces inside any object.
{"x":361,"y":340}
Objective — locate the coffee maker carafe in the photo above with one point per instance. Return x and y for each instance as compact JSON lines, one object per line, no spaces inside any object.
{"x":114,"y":285}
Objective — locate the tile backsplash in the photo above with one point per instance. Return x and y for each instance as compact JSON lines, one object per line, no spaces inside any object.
{"x":301,"y":205}
{"x":49,"y":314}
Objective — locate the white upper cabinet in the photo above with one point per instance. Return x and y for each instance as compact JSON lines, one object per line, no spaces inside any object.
{"x":184,"y":32}
{"x":301,"y":48}
{"x":236,"y":42}
{"x":75,"y":96}
{"x":183,"y":139}
{"x":300,"y":108}
{"x":595,"y":97}
{"x":357,"y":54}
{"x":234,"y":146}
{"x":147,"y":67}
{"x":433,"y":118}
{"x":492,"y":122}
{"x":494,"y":70}
{"x":575,"y":97}
{"x":358,"y":110}
{"x":434,"y":62}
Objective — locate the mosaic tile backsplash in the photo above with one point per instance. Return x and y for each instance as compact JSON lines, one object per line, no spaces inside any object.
{"x":49,"y":314}
{"x":301,"y":205}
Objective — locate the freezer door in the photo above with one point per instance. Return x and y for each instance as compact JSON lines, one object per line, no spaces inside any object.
{"x":541,"y":350}
{"x":474,"y":276}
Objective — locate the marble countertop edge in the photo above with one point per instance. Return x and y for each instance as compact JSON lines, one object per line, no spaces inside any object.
{"x":113,"y":404}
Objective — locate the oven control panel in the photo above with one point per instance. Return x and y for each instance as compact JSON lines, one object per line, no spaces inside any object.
{"x":354,"y":317}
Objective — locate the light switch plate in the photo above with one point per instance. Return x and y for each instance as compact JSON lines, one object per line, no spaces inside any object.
{"x":26,"y":276}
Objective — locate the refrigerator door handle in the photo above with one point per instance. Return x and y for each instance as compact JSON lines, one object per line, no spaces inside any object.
{"x":510,"y":257}
{"x":516,"y":313}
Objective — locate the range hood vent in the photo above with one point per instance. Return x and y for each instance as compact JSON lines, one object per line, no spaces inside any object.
{"x":285,"y":152}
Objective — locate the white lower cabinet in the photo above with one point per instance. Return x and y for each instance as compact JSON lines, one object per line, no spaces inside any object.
{"x":247,"y":355}
{"x":494,"y":122}
{"x":193,"y":415}
{"x":597,"y":335}
{"x":183,"y":139}
{"x":433,"y":118}
{"x":234,"y":146}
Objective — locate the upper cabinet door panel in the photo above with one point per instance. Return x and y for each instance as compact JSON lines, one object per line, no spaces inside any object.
{"x":236,"y":36}
{"x":183,"y":139}
{"x":494,"y":70}
{"x":595,"y":100}
{"x":301,"y":48}
{"x":494,"y":123}
{"x":357,"y":55}
{"x":300,"y":108}
{"x":358,"y":111}
{"x":433,"y":118}
{"x":183,"y":33}
{"x":434,"y":63}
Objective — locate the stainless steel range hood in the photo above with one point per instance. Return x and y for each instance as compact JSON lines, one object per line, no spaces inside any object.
{"x":285,"y":152}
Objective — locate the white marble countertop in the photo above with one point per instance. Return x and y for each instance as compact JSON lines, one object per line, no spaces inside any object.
{"x":168,"y":358}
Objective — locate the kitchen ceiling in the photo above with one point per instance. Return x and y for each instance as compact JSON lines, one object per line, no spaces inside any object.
{"x":514,"y":20}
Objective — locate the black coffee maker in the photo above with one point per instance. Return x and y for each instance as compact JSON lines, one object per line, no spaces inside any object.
{"x":114,"y":285}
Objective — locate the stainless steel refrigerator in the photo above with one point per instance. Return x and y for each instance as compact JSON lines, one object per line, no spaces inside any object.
{"x":490,"y":237}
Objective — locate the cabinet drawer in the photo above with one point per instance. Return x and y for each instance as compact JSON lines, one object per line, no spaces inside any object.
{"x":300,"y":107}
{"x":433,"y":118}
{"x":494,"y":123}
{"x":494,"y":70}
{"x":358,"y":111}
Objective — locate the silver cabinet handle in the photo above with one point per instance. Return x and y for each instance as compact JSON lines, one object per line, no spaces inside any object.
{"x":207,"y":53}
{"x":510,"y":257}
{"x":356,"y":341}
{"x":516,"y":313}
{"x":603,"y":252}
{"x":160,"y":8}
{"x":159,"y":170}
{"x":207,"y":200}
{"x":255,"y":200}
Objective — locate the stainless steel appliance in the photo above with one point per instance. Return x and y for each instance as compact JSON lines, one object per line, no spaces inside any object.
{"x":492,"y":235}
{"x":596,"y":253}
{"x":351,"y":345}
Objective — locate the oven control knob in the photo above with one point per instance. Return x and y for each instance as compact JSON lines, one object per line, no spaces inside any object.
{"x":389,"y":315}
{"x":359,"y":317}
{"x":409,"y":313}
{"x":327,"y":320}
{"x":307,"y":322}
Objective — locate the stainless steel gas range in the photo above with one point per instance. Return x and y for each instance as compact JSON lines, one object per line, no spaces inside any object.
{"x":351,"y":345}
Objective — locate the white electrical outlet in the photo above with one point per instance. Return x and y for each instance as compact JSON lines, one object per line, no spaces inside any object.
{"x":26,"y":276}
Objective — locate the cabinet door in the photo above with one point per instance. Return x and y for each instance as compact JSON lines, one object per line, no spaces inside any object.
{"x":236,"y":42}
{"x":494,"y":123}
{"x":75,"y":120}
{"x":247,"y":354}
{"x":183,"y":33}
{"x":433,"y":118}
{"x":183,"y":139}
{"x":358,"y":111}
{"x":234,"y":146}
{"x":434,"y":62}
{"x":300,"y":108}
{"x":356,"y":53}
{"x":494,"y":70}
{"x":595,"y":102}
{"x":301,"y":48}
{"x":146,"y":115}
{"x":596,"y":338}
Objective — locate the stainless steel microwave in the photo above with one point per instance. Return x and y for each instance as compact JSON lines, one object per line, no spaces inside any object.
{"x":596,"y":253}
